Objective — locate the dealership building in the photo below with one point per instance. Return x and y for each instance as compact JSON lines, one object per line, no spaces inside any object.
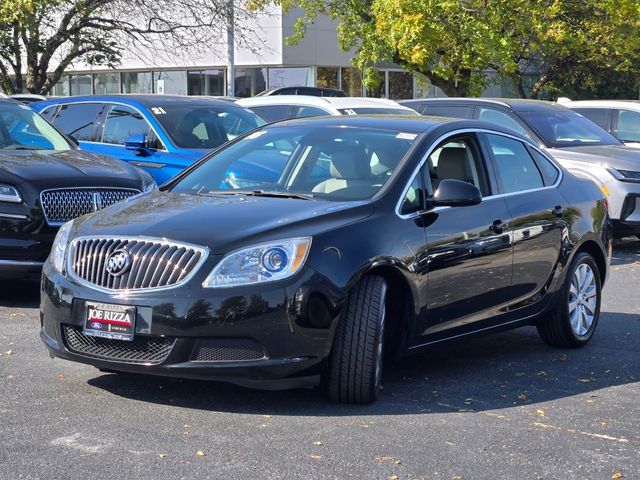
{"x":268,"y":63}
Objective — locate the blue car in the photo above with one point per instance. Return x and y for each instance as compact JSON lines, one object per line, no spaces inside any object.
{"x":161,"y":134}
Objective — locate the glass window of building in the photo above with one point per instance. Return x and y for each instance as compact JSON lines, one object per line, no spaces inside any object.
{"x":81,"y":84}
{"x":137,"y":82}
{"x":106,"y":83}
{"x":400,"y":85}
{"x":173,"y":83}
{"x":285,"y":77}
{"x":250,"y":81}
{"x":327,"y":77}
{"x":206,"y":82}
{"x":351,"y":82}
{"x":61,"y":89}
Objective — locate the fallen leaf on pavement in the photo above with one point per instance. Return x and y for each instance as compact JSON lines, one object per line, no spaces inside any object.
{"x":317,"y":443}
{"x":200,"y":453}
{"x":523,"y":397}
{"x":316,"y":457}
{"x":162,"y":455}
{"x":540,"y":412}
{"x":616,"y":475}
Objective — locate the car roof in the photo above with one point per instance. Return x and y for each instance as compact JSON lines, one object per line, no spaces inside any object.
{"x":516,"y":104}
{"x":146,"y":100}
{"x":633,"y":104}
{"x":404,"y":123}
{"x":309,"y":100}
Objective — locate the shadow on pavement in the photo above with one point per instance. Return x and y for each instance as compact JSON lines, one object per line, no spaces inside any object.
{"x":20,"y":293}
{"x":499,"y":371}
{"x":626,"y":251}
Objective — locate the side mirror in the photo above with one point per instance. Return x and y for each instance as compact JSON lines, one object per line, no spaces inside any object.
{"x":137,"y":143}
{"x":456,"y":193}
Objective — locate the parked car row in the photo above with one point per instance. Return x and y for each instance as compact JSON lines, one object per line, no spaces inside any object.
{"x":306,"y":251}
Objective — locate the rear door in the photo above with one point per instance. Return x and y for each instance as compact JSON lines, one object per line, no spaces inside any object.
{"x":469,"y":248}
{"x":528,"y":183}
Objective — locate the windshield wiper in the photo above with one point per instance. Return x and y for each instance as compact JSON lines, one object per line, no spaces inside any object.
{"x":265,"y":193}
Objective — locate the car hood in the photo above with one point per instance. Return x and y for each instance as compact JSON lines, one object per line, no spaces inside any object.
{"x":220,"y":222}
{"x":617,"y":156}
{"x":60,"y":167}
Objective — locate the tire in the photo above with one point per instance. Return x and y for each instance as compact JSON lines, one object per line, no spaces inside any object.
{"x":354,"y":372}
{"x":573,"y":321}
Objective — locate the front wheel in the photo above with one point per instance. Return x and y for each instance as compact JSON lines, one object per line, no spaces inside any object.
{"x":354,"y":372}
{"x":575,"y":317}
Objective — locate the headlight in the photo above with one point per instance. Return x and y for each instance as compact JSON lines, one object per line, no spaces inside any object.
{"x":625,"y":175}
{"x":262,"y":263}
{"x":59,"y":249}
{"x":9,"y":194}
{"x":148,"y":183}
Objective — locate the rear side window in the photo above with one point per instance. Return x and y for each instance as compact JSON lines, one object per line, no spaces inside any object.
{"x":78,"y":120}
{"x":273,"y":113}
{"x":123,"y":122}
{"x":309,"y":112}
{"x":499,"y":118}
{"x":451,"y":111}
{"x":516,"y":169}
{"x":600,"y":116}
{"x":628,"y":126}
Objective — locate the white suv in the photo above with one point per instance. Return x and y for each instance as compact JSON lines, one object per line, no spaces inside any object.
{"x":281,"y":107}
{"x":621,"y":118}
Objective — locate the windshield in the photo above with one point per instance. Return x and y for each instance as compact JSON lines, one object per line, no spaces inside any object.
{"x":205,"y":127}
{"x":377,"y":111}
{"x":23,"y":129}
{"x":330,"y":163}
{"x":565,"y":128}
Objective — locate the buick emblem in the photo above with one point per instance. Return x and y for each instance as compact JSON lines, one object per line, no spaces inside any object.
{"x":118,"y":263}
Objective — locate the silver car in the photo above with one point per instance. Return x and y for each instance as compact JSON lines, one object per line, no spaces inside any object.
{"x":580,"y":145}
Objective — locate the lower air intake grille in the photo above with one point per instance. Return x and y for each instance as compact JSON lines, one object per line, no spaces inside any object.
{"x":227,"y":350}
{"x":142,"y":350}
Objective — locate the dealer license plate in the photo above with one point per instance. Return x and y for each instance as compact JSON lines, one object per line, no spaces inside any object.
{"x":109,"y":321}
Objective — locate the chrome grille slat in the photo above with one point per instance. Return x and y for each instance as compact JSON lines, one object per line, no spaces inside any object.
{"x":64,"y":204}
{"x":154,"y":263}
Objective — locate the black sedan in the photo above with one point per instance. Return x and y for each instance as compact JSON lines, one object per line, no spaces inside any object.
{"x":45,"y":181}
{"x":373,"y":238}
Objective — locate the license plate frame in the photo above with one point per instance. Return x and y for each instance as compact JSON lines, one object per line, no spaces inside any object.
{"x":110,"y":321}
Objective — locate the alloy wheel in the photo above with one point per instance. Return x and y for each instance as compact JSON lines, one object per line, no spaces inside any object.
{"x":583,"y":299}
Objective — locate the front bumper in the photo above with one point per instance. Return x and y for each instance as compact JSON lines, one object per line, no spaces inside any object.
{"x":624,"y":207}
{"x":25,"y":243}
{"x":256,"y":336}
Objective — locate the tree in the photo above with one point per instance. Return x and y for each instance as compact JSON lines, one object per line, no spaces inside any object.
{"x":535,"y":44}
{"x":40,"y":39}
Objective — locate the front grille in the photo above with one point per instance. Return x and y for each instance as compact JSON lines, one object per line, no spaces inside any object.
{"x":227,"y":350}
{"x":142,"y":350}
{"x":151,"y":263}
{"x":61,"y":205}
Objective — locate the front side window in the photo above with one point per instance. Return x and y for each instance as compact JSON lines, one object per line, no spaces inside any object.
{"x":204,"y":127}
{"x":302,"y":112}
{"x":500,"y":118}
{"x":123,"y":122}
{"x":457,"y":159}
{"x":23,"y":129}
{"x":273,"y":113}
{"x":516,"y":169}
{"x":565,"y":128}
{"x":332,"y":163}
{"x":628,"y":126}
{"x":78,"y":120}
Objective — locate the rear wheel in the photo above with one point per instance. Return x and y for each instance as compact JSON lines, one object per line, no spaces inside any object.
{"x":575,"y":317}
{"x":354,"y":373}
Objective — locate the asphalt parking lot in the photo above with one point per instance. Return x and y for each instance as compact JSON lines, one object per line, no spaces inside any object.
{"x":504,"y":406}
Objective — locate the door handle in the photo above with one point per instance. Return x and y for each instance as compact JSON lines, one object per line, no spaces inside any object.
{"x":496,"y":227}
{"x":558,"y":211}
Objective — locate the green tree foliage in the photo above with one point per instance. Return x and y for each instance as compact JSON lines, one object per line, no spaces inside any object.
{"x":40,"y":39}
{"x":539,"y":45}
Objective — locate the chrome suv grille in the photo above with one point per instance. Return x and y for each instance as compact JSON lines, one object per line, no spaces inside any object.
{"x":61,"y":205}
{"x":115,"y":264}
{"x":145,"y":350}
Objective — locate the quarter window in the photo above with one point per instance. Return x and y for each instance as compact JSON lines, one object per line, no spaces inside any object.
{"x":516,"y":169}
{"x":78,"y":120}
{"x":413,"y":200}
{"x":548,"y":170}
{"x":123,"y":122}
